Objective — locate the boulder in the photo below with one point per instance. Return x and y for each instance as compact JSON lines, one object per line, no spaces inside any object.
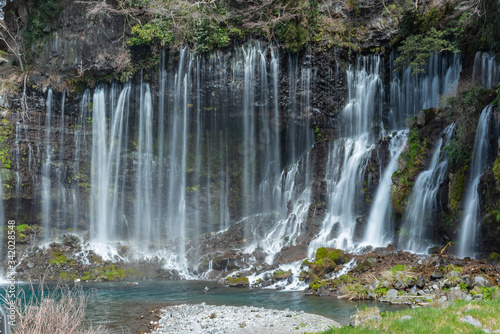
{"x":480,"y":281}
{"x":282,"y":275}
{"x":392,"y":293}
{"x":238,"y":282}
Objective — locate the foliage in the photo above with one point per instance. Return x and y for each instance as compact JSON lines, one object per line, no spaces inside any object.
{"x":293,"y":35}
{"x":156,"y":32}
{"x":318,"y":134}
{"x":481,"y":26}
{"x":42,"y":14}
{"x":381,"y":290}
{"x":23,"y":227}
{"x":416,"y":49}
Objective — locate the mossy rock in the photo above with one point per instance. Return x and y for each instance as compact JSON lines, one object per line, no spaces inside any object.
{"x":335,"y":255}
{"x":366,"y":265}
{"x":282,"y":275}
{"x":317,"y":283}
{"x":238,"y":282}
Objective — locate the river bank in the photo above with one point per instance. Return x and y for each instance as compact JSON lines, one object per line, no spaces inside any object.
{"x":203,"y":318}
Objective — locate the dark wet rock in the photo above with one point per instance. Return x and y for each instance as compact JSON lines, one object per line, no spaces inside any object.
{"x":437,"y":275}
{"x":425,"y":116}
{"x":435,"y":250}
{"x":359,"y":228}
{"x":291,"y":254}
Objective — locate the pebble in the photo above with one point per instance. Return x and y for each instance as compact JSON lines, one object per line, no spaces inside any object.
{"x":199,"y":318}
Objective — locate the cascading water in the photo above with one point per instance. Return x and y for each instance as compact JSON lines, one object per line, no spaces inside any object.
{"x":349,"y":155}
{"x":422,"y":204}
{"x":46,"y":166}
{"x":410,"y":93}
{"x":469,"y":222}
{"x":486,"y":69}
{"x":154,"y":169}
{"x":379,"y":232}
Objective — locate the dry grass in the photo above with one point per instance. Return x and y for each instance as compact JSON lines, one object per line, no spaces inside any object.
{"x":58,"y":311}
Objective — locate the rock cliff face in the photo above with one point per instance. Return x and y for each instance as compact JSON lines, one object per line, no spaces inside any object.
{"x":75,"y":44}
{"x":80,"y":51}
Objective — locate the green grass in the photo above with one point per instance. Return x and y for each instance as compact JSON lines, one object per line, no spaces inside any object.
{"x":432,"y":320}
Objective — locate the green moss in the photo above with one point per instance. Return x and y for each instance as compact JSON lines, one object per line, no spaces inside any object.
{"x":6,"y":134}
{"x":238,"y":280}
{"x":305,"y":263}
{"x":58,"y":258}
{"x":336,"y":255}
{"x":404,"y":178}
{"x":457,"y":188}
{"x":317,"y":283}
{"x":450,"y":268}
{"x":321,"y":252}
{"x":496,"y":171}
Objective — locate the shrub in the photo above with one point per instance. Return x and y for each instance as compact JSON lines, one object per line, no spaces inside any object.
{"x":61,"y":310}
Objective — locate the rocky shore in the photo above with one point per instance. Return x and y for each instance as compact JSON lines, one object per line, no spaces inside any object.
{"x":202,"y":318}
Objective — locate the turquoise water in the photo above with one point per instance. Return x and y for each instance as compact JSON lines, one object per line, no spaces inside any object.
{"x":120,"y":306}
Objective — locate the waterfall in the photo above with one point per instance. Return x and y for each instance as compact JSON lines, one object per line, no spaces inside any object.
{"x":362,"y":122}
{"x":46,"y":166}
{"x":80,"y":146}
{"x":411,"y":93}
{"x":211,"y":142}
{"x":379,"y":230}
{"x":160,"y":166}
{"x":486,"y":69}
{"x":469,"y":221}
{"x":106,"y":164}
{"x":348,"y":156}
{"x":422,"y":204}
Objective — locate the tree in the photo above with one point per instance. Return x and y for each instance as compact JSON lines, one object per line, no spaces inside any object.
{"x":11,"y":37}
{"x":416,"y":49}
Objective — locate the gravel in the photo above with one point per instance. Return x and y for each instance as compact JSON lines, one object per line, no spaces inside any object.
{"x":202,"y":318}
